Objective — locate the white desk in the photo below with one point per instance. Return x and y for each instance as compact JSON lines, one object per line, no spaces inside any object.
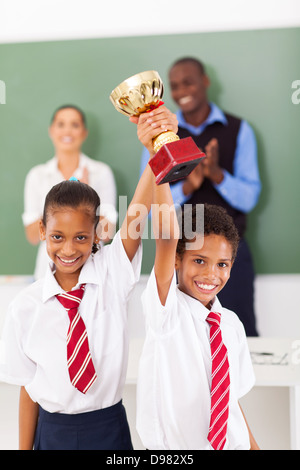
{"x":276,"y":363}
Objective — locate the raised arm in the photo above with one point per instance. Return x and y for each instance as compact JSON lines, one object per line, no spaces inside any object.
{"x":148,"y":126}
{"x":164,"y":219}
{"x":166,"y":232}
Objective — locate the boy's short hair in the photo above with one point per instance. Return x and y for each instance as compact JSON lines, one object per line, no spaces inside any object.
{"x":216,"y":222}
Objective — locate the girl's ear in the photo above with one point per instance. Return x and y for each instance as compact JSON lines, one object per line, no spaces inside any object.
{"x":96,"y":242}
{"x":42,"y":231}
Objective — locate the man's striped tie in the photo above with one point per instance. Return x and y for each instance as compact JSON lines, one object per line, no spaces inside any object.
{"x":80,"y":365}
{"x":220,"y":384}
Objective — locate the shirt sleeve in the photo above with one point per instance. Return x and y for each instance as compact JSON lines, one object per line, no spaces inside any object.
{"x":123,"y":274}
{"x":32,"y":199}
{"x":15,"y":367}
{"x":242,"y":189}
{"x":160,"y":318}
{"x":105,"y":185}
{"x":144,"y":160}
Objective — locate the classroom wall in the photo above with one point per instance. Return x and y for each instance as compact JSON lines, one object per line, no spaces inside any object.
{"x":252,"y":74}
{"x":34,"y":20}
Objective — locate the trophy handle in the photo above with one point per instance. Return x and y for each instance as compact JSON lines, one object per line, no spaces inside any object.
{"x":162,"y":139}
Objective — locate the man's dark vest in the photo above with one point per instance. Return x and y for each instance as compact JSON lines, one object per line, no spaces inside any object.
{"x":227,"y":137}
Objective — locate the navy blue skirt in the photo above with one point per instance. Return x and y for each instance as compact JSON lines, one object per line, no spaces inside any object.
{"x":105,"y":429}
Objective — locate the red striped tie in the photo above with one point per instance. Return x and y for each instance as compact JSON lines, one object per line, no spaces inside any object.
{"x":220,"y":384}
{"x":80,"y":365}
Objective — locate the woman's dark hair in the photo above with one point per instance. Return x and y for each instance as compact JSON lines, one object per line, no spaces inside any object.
{"x":216,"y":221}
{"x":72,"y":194}
{"x":69,"y":106}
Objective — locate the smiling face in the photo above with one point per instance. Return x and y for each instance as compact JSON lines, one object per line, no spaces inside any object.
{"x":69,"y":234}
{"x":67,"y":130}
{"x":188,"y":86}
{"x":204,"y":270}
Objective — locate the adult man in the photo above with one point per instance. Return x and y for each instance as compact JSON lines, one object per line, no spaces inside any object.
{"x":228,"y":176}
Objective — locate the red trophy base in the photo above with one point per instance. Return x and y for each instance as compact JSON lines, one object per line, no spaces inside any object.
{"x":175,"y":160}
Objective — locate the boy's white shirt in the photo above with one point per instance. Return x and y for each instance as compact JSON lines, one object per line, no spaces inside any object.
{"x":173,"y":394}
{"x":36,"y":325}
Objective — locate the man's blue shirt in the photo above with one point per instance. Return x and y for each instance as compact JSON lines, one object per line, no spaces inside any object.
{"x":242,"y":189}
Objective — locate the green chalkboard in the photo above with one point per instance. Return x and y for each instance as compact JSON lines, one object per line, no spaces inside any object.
{"x":251,"y":73}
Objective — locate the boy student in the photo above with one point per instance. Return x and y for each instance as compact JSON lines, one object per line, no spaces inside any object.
{"x":227,"y":177}
{"x":195,"y":365}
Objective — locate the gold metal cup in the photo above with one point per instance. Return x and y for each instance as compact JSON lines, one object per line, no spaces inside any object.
{"x":140,"y":94}
{"x":174,"y":158}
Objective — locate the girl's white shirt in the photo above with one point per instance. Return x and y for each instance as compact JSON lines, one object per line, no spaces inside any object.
{"x":36,"y":325}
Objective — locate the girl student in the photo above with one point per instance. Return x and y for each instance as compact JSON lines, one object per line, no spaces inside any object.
{"x":185,"y":399}
{"x":65,"y":336}
{"x":68,"y":131}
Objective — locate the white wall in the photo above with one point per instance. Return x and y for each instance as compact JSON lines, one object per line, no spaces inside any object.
{"x":36,"y":20}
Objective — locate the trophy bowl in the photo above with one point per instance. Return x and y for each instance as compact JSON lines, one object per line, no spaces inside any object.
{"x":138,"y":94}
{"x":174,"y":158}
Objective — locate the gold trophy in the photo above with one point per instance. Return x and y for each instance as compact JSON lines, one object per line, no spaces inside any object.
{"x":174,"y":158}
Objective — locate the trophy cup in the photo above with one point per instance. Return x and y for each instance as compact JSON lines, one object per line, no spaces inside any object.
{"x":174,"y":158}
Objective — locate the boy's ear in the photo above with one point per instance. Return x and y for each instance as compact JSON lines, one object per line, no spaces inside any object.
{"x":177,"y":261}
{"x":42,"y":231}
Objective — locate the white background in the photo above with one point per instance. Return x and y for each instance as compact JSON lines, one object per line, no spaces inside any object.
{"x":39,"y":20}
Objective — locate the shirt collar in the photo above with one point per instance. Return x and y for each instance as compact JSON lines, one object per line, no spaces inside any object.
{"x":51,"y":286}
{"x":88,"y":274}
{"x":215,"y":115}
{"x":52,"y":165}
{"x":198,"y":309}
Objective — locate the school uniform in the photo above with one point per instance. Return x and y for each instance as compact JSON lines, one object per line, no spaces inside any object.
{"x":34,"y":341}
{"x":41,"y":178}
{"x":174,"y":380}
{"x":238,"y":193}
